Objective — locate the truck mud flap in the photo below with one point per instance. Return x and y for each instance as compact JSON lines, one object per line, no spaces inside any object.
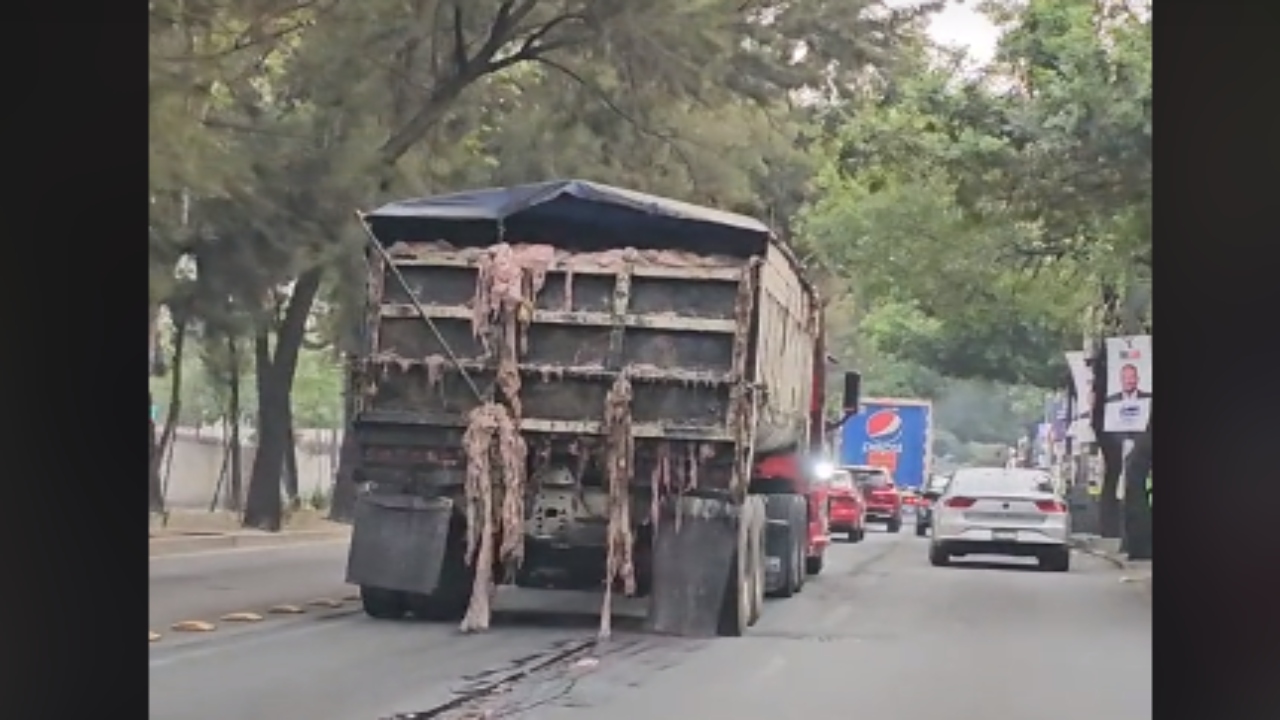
{"x":692,"y":556}
{"x":398,"y":542}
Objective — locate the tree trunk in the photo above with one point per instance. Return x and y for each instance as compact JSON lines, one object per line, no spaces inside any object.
{"x":155,"y":490}
{"x":275,"y":384}
{"x":235,"y":493}
{"x":1137,"y":509}
{"x":289,"y":480}
{"x":263,"y":509}
{"x":343,"y":502}
{"x":1112,"y":447}
{"x":175,"y":404}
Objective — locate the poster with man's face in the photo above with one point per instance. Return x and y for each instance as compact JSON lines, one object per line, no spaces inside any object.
{"x":1128,"y":400}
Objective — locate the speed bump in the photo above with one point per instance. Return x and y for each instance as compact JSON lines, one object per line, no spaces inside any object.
{"x":154,"y":636}
{"x":325,"y":602}
{"x":193,"y":626}
{"x":241,"y":617}
{"x":286,"y":610}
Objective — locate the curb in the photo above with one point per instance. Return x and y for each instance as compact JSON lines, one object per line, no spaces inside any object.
{"x":1119,"y":563}
{"x":186,"y":545}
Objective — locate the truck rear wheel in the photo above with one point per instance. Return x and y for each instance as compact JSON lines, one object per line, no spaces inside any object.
{"x":449,"y":601}
{"x":744,"y":589}
{"x":381,"y":603}
{"x":798,"y":567}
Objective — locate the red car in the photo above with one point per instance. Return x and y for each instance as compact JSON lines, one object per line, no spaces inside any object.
{"x":884,"y":503}
{"x":847,"y":509}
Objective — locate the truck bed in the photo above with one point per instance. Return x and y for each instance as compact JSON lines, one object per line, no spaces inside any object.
{"x":684,"y":327}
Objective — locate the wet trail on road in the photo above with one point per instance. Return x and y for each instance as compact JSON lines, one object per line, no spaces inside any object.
{"x":880,"y":630}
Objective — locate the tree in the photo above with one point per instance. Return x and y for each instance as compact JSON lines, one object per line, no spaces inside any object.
{"x":1003,"y":205}
{"x":275,"y":118}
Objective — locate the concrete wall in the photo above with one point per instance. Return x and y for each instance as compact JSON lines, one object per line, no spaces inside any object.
{"x":190,"y":472}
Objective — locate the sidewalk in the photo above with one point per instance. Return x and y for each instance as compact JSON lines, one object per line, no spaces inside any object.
{"x":187,"y":531}
{"x":1136,"y":571}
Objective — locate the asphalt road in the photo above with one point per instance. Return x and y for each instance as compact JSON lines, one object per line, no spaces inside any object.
{"x":204,"y":586}
{"x":880,"y":632}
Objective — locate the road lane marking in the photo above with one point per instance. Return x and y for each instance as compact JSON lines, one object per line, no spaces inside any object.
{"x":286,"y":610}
{"x":193,"y":626}
{"x":154,"y":636}
{"x":325,"y":602}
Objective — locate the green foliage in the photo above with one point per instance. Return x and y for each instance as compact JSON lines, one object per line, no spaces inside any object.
{"x":317,"y":393}
{"x":975,"y":219}
{"x":960,"y":225}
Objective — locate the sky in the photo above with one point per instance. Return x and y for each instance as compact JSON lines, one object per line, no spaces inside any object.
{"x":959,"y":24}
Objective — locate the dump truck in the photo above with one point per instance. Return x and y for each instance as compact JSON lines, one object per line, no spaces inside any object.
{"x":567,"y":385}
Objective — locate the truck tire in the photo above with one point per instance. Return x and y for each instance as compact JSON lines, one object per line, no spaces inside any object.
{"x":797,"y":566}
{"x":382,"y":604}
{"x":894,"y":525}
{"x":788,"y":569}
{"x":756,"y":537}
{"x":743,"y":594}
{"x":789,"y":550}
{"x":813,"y":565}
{"x":921,"y":530}
{"x":448,"y":602}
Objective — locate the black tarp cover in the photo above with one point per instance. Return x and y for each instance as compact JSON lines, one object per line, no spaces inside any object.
{"x":574,"y":213}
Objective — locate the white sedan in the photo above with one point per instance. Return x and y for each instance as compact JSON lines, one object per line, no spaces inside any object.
{"x":1001,"y":511}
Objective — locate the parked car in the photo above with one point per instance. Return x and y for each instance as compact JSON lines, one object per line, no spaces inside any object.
{"x":847,"y":508}
{"x":1001,"y":511}
{"x":924,"y":510}
{"x":884,"y":504}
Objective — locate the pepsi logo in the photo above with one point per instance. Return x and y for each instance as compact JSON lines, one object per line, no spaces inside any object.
{"x":884,"y":426}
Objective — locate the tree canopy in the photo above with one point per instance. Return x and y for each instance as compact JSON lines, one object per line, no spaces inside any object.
{"x":961,"y":222}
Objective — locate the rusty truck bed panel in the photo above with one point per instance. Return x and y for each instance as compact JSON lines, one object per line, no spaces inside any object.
{"x":672,"y":325}
{"x":784,"y":349}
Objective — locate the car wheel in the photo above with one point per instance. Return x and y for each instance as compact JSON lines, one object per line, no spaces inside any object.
{"x":938,"y":557}
{"x":894,"y":525}
{"x":921,"y":530}
{"x":1059,"y":560}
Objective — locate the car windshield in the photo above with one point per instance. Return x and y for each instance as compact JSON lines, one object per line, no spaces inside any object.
{"x":841,"y":480}
{"x":870,"y":478}
{"x":1001,"y":481}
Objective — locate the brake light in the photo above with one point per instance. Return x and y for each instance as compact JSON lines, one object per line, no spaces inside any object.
{"x":1051,"y":506}
{"x":959,"y":502}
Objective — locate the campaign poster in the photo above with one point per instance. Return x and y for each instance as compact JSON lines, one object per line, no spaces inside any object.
{"x":1127,"y":405}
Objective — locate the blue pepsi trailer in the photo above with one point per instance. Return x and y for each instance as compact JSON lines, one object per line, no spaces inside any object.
{"x":892,"y":433}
